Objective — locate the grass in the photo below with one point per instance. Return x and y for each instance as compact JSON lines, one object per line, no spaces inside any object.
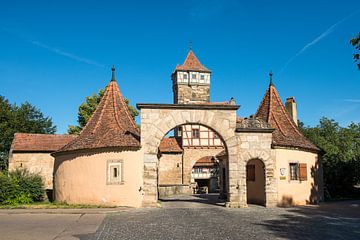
{"x":52,"y":205}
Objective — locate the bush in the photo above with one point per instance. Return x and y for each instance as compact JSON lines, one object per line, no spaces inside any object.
{"x":20,"y":187}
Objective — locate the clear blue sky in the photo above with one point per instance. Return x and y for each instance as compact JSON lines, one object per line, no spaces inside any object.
{"x":54,"y":53}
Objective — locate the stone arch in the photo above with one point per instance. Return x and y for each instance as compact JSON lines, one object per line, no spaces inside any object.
{"x":255,"y":181}
{"x":266,"y":156}
{"x":158,"y":120}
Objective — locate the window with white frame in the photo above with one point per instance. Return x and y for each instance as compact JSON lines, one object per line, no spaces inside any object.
{"x":114,"y":172}
{"x":294,"y":171}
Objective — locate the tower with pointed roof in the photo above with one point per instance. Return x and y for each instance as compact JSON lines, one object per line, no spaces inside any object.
{"x":287,"y":133}
{"x":191,"y":81}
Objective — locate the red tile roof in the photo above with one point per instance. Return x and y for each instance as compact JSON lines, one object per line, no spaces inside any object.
{"x":286,"y":133}
{"x":192,"y":63}
{"x":111,"y":125}
{"x":30,"y":142}
{"x":170,"y":145}
{"x":207,"y":161}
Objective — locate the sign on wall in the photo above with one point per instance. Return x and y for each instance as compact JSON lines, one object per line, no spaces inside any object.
{"x":282,"y":173}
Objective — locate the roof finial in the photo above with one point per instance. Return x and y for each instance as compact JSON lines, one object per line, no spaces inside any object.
{"x":271,"y":75}
{"x":113,"y":73}
{"x":190,"y":45}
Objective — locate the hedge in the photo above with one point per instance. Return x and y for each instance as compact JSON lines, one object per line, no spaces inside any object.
{"x":21,"y":187}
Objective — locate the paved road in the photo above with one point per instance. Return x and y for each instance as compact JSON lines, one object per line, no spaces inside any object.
{"x":202,"y":218}
{"x":186,"y":218}
{"x":48,"y":224}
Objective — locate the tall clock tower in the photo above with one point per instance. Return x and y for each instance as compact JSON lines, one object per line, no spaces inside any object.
{"x":191,"y":81}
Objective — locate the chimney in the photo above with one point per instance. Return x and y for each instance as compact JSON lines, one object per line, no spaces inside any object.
{"x":290,"y":106}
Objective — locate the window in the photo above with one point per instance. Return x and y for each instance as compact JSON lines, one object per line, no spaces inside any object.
{"x":185,"y":76}
{"x":294,"y":171}
{"x":114,"y":172}
{"x":298,"y":171}
{"x":202,"y":77}
{"x":195,"y":133}
{"x":193,"y":76}
{"x":250,"y":173}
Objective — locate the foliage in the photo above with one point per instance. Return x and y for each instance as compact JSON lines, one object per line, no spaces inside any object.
{"x":20,"y":187}
{"x":24,"y":118}
{"x":341,"y":154}
{"x":88,"y":107}
{"x":356,"y":43}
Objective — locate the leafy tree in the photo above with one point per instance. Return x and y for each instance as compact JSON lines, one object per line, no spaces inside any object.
{"x":341,"y":157}
{"x":88,"y":107}
{"x":24,"y":118}
{"x":356,"y":43}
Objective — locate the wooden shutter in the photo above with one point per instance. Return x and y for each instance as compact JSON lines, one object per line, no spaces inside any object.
{"x":302,"y":172}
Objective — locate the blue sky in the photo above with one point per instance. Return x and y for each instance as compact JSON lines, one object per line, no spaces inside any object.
{"x":55,"y":53}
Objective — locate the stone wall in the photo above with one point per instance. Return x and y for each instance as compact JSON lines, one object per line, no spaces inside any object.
{"x":170,"y":168}
{"x":185,"y":93}
{"x":42,"y":163}
{"x":252,"y":145}
{"x":166,"y":191}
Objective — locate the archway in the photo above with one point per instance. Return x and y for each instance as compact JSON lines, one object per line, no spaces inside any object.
{"x":188,"y":165}
{"x":158,"y":119}
{"x":255,"y":182}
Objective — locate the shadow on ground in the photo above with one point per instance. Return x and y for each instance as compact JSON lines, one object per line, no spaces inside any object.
{"x":193,"y":200}
{"x":339,"y":220}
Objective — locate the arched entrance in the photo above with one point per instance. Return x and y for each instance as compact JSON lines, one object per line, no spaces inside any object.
{"x":189,"y":157}
{"x":205,"y":175}
{"x":255,"y":182}
{"x":158,"y":119}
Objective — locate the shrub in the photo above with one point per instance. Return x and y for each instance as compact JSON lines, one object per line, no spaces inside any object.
{"x":7,"y":188}
{"x":20,"y":187}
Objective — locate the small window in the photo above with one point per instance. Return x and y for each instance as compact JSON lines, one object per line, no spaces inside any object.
{"x":195,"y":133}
{"x":294,"y":171}
{"x":202,"y":77}
{"x":193,"y":76}
{"x":114,"y":172}
{"x":250,"y":173}
{"x":185,"y":76}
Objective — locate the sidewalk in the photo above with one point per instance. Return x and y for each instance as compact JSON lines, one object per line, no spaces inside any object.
{"x":64,"y":210}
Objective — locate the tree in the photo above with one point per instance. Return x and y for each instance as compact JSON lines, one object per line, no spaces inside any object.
{"x":25,"y":118}
{"x":88,"y":107}
{"x":341,"y":157}
{"x":356,"y":43}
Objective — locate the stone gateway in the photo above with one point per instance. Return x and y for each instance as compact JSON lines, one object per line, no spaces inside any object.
{"x":191,"y":146}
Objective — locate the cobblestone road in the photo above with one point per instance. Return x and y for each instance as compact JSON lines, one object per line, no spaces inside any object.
{"x":329,"y":221}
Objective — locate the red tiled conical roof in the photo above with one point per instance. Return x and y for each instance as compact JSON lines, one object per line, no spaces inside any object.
{"x":111,"y":125}
{"x":286,"y":133}
{"x":192,"y":63}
